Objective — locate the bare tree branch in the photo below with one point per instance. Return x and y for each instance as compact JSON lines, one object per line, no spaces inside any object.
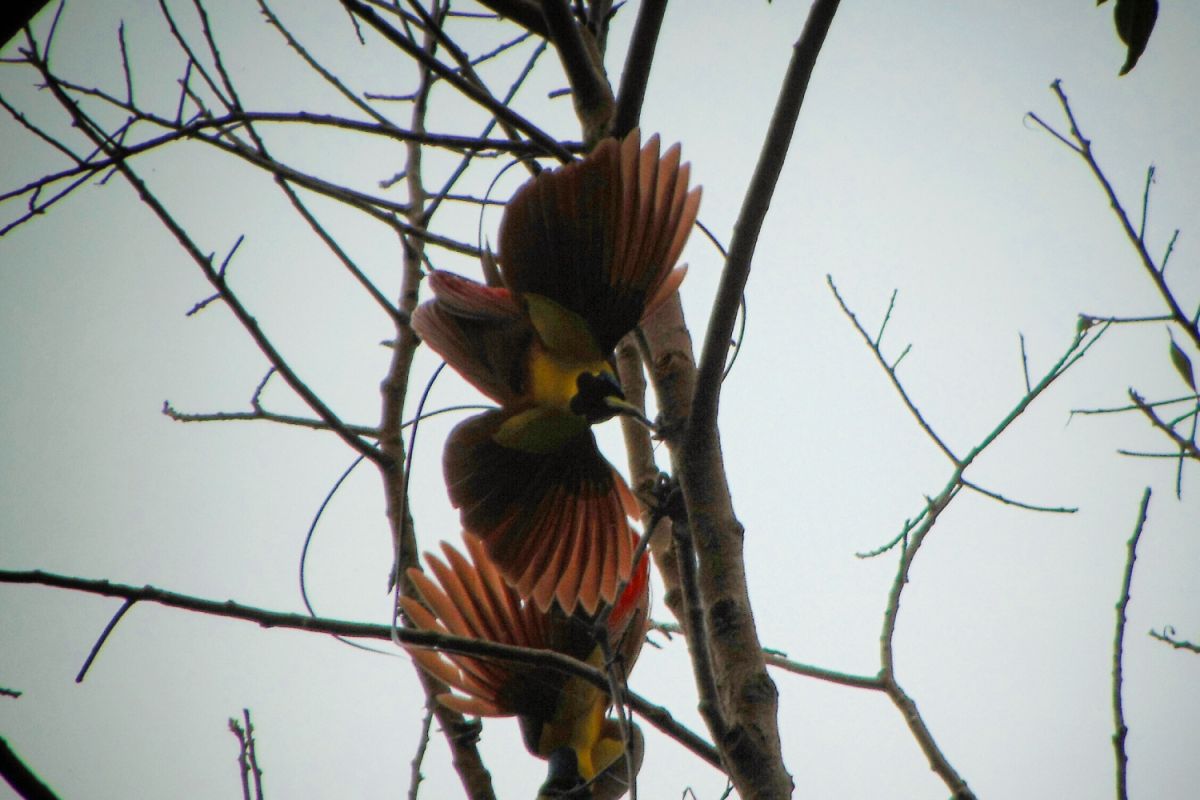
{"x":17,"y":17}
{"x":916,"y":529}
{"x":1189,"y":398}
{"x":699,"y":634}
{"x":590,"y":91}
{"x":1008,"y":501}
{"x":247,"y":755}
{"x":1168,"y":635}
{"x":502,"y":112}
{"x":210,"y":272}
{"x":319,"y":68}
{"x":644,"y":473}
{"x":468,"y":763}
{"x":108,"y":629}
{"x":638,"y":61}
{"x":1083,"y":148}
{"x":415,"y":777}
{"x":890,"y":369}
{"x":467,"y":70}
{"x":776,"y":659}
{"x":526,"y":13}
{"x":20,"y":777}
{"x":261,"y":415}
{"x":1186,"y":447}
{"x":243,"y":763}
{"x":652,"y":713}
{"x":748,"y":697}
{"x":1122,"y":730}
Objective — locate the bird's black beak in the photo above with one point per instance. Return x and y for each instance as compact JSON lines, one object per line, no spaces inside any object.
{"x":620,"y":405}
{"x":599,"y":397}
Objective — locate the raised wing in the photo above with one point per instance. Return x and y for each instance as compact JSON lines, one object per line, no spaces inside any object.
{"x":600,"y":236}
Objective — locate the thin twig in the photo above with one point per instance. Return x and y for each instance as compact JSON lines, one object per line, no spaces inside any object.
{"x":415,"y":776}
{"x":517,"y":83}
{"x":465,"y":68}
{"x":319,"y":68}
{"x":239,"y":733}
{"x":1189,"y":398}
{"x":617,"y":687}
{"x":1186,"y":447}
{"x":1168,"y":635}
{"x":754,"y":210}
{"x":204,"y":262}
{"x":887,"y":316}
{"x":781,"y":661}
{"x":890,"y":369}
{"x":1145,"y":204}
{"x":192,"y":58}
{"x":235,"y":727}
{"x":108,"y":629}
{"x":1122,"y":730}
{"x":1008,"y":501}
{"x":252,"y":755}
{"x":260,"y":415}
{"x":1162,"y":268}
{"x":38,"y":132}
{"x":551,"y":146}
{"x":247,"y":756}
{"x":1024,"y":362}
{"x":1146,"y":454}
{"x":1083,"y":148}
{"x":125,"y":62}
{"x":914,"y":536}
{"x":526,"y":13}
{"x":1092,"y":319}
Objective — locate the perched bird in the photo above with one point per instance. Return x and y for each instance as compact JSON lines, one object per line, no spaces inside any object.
{"x":563,"y":718}
{"x":586,"y":251}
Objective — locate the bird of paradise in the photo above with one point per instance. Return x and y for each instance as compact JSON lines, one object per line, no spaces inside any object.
{"x":563,"y":718}
{"x":586,"y":251}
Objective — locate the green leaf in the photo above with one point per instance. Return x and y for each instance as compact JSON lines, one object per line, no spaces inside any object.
{"x":1135,"y":20}
{"x":1183,"y":364}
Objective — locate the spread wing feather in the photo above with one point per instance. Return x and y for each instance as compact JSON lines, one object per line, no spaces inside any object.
{"x":555,"y":524}
{"x":481,"y":331}
{"x":467,"y":596}
{"x":601,"y":235}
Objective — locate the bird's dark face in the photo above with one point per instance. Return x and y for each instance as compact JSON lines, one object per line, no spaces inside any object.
{"x":563,"y":779}
{"x":599,"y":397}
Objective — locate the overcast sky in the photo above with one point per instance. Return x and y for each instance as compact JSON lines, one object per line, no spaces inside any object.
{"x":913,"y":168}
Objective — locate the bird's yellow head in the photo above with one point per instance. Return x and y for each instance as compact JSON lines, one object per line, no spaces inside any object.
{"x":567,"y":370}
